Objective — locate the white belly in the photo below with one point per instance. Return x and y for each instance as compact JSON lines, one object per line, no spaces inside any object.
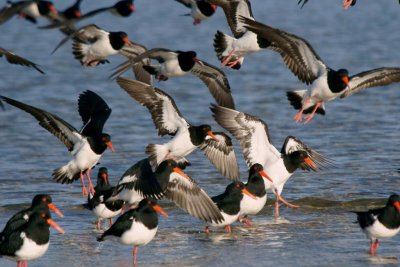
{"x":246,"y":44}
{"x":228,"y":219}
{"x":180,"y":145}
{"x":138,"y":235}
{"x":250,"y":206}
{"x":101,"y":211}
{"x":102,"y":48}
{"x":171,"y":68}
{"x":84,"y":157}
{"x":321,"y":92}
{"x":378,"y":230}
{"x":279,"y":175}
{"x":30,"y":250}
{"x":32,"y":10}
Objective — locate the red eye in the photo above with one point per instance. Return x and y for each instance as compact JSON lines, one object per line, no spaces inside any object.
{"x":44,"y":199}
{"x":43,"y":215}
{"x":148,"y":202}
{"x":169,"y":164}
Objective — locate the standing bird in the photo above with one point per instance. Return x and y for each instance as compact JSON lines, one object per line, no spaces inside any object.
{"x":232,"y":50}
{"x":168,"y":181}
{"x":29,"y":10}
{"x":30,"y":240}
{"x":136,"y":227}
{"x":86,"y":146}
{"x":256,"y":186}
{"x":381,"y":223}
{"x":186,"y":137}
{"x":179,"y":63}
{"x":229,"y":205}
{"x":40,"y":203}
{"x":200,"y":9}
{"x":17,"y":60}
{"x":102,"y":203}
{"x":326,"y":83}
{"x":255,"y":141}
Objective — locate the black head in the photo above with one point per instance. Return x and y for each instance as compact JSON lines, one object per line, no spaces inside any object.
{"x":43,"y":202}
{"x":206,"y":8}
{"x":199,"y":133}
{"x":125,"y":8}
{"x":150,"y":205}
{"x":106,"y":141}
{"x":102,"y":176}
{"x":256,"y":168}
{"x":118,"y":40}
{"x":42,"y":220}
{"x":73,"y":11}
{"x":46,"y":7}
{"x":235,"y":188}
{"x":338,"y":80}
{"x":187,"y":60}
{"x":394,"y":201}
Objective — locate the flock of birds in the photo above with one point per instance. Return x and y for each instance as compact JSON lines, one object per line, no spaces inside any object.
{"x":160,"y":174}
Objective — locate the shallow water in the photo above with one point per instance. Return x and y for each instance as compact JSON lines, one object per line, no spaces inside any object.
{"x":361,"y":133}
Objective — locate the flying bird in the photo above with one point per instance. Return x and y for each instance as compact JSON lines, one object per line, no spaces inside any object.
{"x":326,"y":84}
{"x":86,"y":146}
{"x":186,"y":137}
{"x":346,"y":3}
{"x":29,"y":10}
{"x":200,"y":9}
{"x":13,"y":58}
{"x":179,"y":63}
{"x":255,"y":141}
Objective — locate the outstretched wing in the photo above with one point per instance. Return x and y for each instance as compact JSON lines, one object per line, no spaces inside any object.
{"x":94,"y":112}
{"x":164,"y":112}
{"x":192,"y":198}
{"x":371,"y":78}
{"x":216,"y":81}
{"x":15,"y":59}
{"x":222,"y":155}
{"x":250,"y":131}
{"x":52,"y":123}
{"x":297,"y":53}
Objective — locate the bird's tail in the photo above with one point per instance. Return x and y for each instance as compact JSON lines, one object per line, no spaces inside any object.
{"x":296,"y":100}
{"x":157,"y":154}
{"x":223,"y":44}
{"x":66,"y":174}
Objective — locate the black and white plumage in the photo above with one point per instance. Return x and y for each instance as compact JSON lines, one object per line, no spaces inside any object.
{"x":136,"y":227}
{"x":168,"y":181}
{"x":30,"y":240}
{"x":382,"y":222}
{"x":178,"y":63}
{"x":229,"y":204}
{"x":326,"y":83}
{"x":30,"y":10}
{"x":13,"y":58}
{"x":346,"y":3}
{"x":255,"y":141}
{"x":86,"y":146}
{"x":232,"y":50}
{"x":186,"y":137}
{"x":200,"y":9}
{"x":102,"y":203}
{"x":40,"y":203}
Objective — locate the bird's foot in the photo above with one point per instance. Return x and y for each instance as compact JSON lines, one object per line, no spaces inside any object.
{"x":347,"y":3}
{"x":228,"y":228}
{"x":298,"y":117}
{"x":206,"y":230}
{"x":196,"y":21}
{"x":245,"y":220}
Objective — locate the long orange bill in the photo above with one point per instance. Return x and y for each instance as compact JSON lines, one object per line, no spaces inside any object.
{"x":160,"y":210}
{"x":397,"y":206}
{"x":346,"y":81}
{"x":104,"y":176}
{"x":245,"y":191}
{"x":179,"y":171}
{"x":266,"y":176}
{"x":110,"y":146}
{"x":53,"y":208}
{"x":55,"y":225}
{"x":311,"y":163}
{"x":211,"y":134}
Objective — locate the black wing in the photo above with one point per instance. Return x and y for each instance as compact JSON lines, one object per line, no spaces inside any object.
{"x":15,"y":59}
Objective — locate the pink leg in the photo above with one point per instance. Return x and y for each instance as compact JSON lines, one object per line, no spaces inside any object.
{"x":109,"y":221}
{"x":298,"y":116}
{"x":374,"y":246}
{"x":231,"y":64}
{"x":285,"y":202}
{"x":19,"y":264}
{"x":196,"y":21}
{"x":310,"y":116}
{"x":98,"y":224}
{"x":134,"y":255}
{"x":245,"y":220}
{"x":228,"y":57}
{"x":277,"y":208}
{"x":228,"y":228}
{"x":347,"y":3}
{"x":91,"y":188}
{"x":84,"y":190}
{"x":206,"y":230}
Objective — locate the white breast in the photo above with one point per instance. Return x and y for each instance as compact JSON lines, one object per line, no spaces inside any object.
{"x":181,"y":144}
{"x":277,"y":171}
{"x":378,"y":230}
{"x":246,"y":44}
{"x":320,"y":90}
{"x":102,"y":48}
{"x":30,"y":250}
{"x":138,"y":235}
{"x":84,"y":157}
{"x":171,"y":68}
{"x":250,"y":206}
{"x":32,"y":10}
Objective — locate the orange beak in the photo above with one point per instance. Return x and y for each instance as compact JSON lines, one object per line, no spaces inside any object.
{"x":56,"y":226}
{"x":346,"y":81}
{"x":104,"y":176}
{"x":397,"y":206}
{"x":110,"y":146}
{"x":266,"y":176}
{"x":160,"y":210}
{"x":245,"y":191}
{"x":53,"y":208}
{"x":126,"y":40}
{"x":209,"y":133}
{"x":310,"y":162}
{"x":179,"y":171}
